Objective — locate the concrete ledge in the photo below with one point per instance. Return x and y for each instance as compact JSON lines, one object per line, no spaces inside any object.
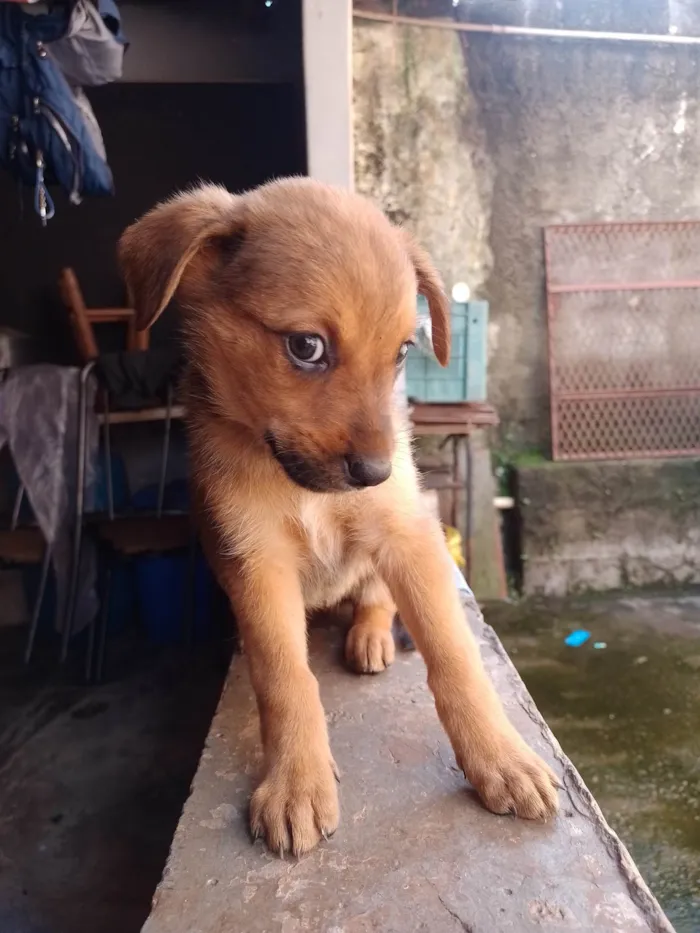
{"x":415,"y":851}
{"x":609,"y":525}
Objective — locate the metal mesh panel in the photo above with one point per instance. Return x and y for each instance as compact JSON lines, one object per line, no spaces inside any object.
{"x":624,"y":339}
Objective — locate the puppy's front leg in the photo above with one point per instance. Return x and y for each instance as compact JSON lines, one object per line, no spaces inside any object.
{"x":297,"y":802}
{"x":507,"y":774}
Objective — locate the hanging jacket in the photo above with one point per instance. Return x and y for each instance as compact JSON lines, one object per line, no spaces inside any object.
{"x":44,"y":137}
{"x":91,"y":51}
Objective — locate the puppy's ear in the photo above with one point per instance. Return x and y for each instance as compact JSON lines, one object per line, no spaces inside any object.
{"x":155,"y":251}
{"x":431,"y":287}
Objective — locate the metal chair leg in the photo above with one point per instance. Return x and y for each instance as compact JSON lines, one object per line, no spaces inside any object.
{"x":166,"y":450}
{"x":104,"y":621}
{"x":108,"y":457}
{"x":90,"y":651}
{"x":34,"y":624}
{"x":19,"y":499}
{"x":72,"y":594}
{"x":91,"y":639}
{"x":190,"y":607}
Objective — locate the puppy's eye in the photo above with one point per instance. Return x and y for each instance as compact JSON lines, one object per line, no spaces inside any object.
{"x":307,"y":351}
{"x":401,"y":358}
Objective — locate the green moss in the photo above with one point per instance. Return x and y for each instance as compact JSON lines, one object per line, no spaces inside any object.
{"x":506,"y":460}
{"x":529,"y":458}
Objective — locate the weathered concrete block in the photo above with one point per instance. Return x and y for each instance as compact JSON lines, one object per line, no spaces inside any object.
{"x":415,"y":851}
{"x":608,"y":525}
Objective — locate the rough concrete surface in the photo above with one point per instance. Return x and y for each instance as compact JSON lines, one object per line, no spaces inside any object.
{"x":606,"y":526}
{"x":415,"y":850}
{"x":477,"y":142}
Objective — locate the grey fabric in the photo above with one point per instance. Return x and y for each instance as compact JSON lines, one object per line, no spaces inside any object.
{"x":39,"y":422}
{"x":88,"y":54}
{"x":90,"y":120}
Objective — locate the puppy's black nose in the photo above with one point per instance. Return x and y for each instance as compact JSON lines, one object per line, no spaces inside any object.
{"x":367,"y":471}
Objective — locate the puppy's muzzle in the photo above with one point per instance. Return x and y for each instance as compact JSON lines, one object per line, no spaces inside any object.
{"x":352,"y":471}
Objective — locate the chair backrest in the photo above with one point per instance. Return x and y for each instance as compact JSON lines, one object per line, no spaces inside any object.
{"x":83,"y":318}
{"x":72,"y":297}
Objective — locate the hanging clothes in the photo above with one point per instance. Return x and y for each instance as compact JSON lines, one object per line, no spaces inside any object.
{"x":91,"y":52}
{"x":48,"y":131}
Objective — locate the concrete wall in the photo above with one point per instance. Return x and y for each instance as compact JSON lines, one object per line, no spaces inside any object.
{"x":478,"y":142}
{"x":606,"y":526}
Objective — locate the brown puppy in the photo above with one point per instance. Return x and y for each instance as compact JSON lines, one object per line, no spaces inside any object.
{"x":299,"y":302}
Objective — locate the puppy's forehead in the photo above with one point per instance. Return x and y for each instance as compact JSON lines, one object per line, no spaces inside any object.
{"x":314,"y":213}
{"x":334,"y":253}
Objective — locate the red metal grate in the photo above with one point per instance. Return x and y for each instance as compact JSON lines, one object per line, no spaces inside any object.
{"x":623,"y":304}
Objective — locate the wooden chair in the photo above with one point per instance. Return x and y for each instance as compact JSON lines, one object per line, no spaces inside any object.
{"x":117,"y":535}
{"x":83,"y":318}
{"x":123,"y":535}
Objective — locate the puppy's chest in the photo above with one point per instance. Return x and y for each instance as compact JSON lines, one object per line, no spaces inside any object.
{"x":333,"y":564}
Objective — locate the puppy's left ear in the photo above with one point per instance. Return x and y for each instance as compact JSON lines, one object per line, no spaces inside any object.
{"x":156,"y":251}
{"x":431,"y":287}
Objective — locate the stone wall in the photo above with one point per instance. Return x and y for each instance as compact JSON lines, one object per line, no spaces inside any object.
{"x":607,"y":526}
{"x":477,"y":142}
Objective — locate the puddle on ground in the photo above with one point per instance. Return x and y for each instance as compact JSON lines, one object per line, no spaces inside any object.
{"x":628,"y":716}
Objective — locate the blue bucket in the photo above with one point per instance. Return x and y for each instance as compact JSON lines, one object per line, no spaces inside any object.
{"x":161,"y":586}
{"x":120,"y":485}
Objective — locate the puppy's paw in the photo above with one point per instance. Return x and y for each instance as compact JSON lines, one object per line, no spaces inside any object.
{"x":369,"y":649}
{"x":296,"y":805}
{"x":511,"y":778}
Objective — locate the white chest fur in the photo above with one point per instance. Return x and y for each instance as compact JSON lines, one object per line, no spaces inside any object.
{"x":333,"y":565}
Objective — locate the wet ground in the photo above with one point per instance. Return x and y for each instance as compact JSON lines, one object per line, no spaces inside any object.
{"x":625,"y":706}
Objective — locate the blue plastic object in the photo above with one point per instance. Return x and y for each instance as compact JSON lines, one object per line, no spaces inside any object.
{"x":120,"y":484}
{"x":577,"y":638}
{"x":161,"y":579}
{"x":161,"y":585}
{"x":464,"y":378}
{"x":122,"y":597}
{"x":176,"y":497}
